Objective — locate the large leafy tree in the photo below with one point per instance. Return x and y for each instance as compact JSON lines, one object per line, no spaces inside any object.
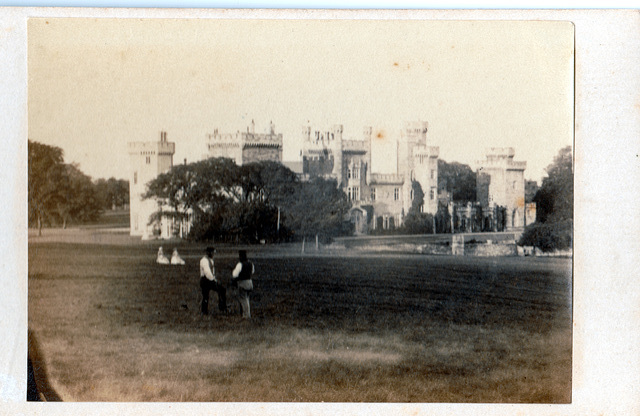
{"x":268,"y":182}
{"x":554,"y":199}
{"x":58,"y":192}
{"x":46,"y":172}
{"x":318,"y":209}
{"x":458,"y":179}
{"x":554,"y":207}
{"x":250,"y":201}
{"x":112,"y":193}
{"x":79,"y":200}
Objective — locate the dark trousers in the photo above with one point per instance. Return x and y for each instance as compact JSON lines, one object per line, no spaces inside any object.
{"x":207,"y":285}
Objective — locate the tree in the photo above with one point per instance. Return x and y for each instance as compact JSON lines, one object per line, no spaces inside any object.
{"x":416,"y":222}
{"x":112,"y":193}
{"x":554,"y":207}
{"x":79,"y":200}
{"x":318,"y":209}
{"x":45,"y":172}
{"x":457,"y":179}
{"x":554,"y":199}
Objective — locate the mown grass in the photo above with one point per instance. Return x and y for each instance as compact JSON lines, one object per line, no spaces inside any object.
{"x":115,"y":326}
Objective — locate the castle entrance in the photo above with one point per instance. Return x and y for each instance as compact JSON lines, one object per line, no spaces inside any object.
{"x":359,"y":220}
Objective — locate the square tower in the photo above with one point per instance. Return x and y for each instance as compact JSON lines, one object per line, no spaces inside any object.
{"x":147,"y":160}
{"x":500,"y":182}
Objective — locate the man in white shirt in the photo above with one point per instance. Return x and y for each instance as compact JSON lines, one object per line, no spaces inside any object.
{"x":208,"y":282}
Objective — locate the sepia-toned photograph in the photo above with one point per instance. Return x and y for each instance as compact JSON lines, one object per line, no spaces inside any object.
{"x":300,"y":210}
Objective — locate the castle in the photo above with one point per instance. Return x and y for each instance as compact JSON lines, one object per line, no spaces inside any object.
{"x":379,"y":200}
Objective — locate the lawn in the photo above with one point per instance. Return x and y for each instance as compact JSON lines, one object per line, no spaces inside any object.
{"x":115,"y":326}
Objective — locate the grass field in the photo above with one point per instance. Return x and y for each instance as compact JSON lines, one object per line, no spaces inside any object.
{"x":115,"y":326}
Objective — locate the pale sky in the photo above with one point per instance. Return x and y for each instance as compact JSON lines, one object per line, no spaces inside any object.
{"x":96,"y":84}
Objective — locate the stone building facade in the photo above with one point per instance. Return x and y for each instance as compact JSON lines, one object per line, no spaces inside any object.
{"x":245,"y":147}
{"x":379,"y":201}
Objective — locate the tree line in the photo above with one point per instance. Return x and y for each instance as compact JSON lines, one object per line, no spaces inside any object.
{"x":60,"y":193}
{"x":253,"y":202}
{"x":553,"y":229}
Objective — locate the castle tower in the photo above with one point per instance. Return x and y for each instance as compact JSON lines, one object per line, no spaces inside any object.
{"x":501,"y":183}
{"x":418,"y":162}
{"x":367,"y":134}
{"x":147,"y":160}
{"x":335,"y":143}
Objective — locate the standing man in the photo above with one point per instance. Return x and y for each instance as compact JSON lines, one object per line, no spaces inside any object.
{"x":242,"y":278}
{"x":208,"y":282}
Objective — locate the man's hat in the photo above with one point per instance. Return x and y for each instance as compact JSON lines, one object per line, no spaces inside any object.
{"x":210,"y":249}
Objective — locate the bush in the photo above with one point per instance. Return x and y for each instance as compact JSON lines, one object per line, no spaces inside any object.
{"x":418,"y":223}
{"x":548,"y":236}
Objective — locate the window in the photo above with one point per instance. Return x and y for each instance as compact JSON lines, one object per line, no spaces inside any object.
{"x":433,"y":173}
{"x":135,"y":178}
{"x":432,"y":194}
{"x":349,"y":173}
{"x":356,"y":173}
{"x":373,"y":194}
{"x":396,"y":194}
{"x":349,"y":193}
{"x":356,"y":193}
{"x":411,"y":194}
{"x":148,"y":159}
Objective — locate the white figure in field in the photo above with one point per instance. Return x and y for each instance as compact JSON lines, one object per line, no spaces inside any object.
{"x":161,"y":259}
{"x":175,"y":258}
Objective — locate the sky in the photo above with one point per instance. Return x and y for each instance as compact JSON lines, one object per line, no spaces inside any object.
{"x":96,"y":84}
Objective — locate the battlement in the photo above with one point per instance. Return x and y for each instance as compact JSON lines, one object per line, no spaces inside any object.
{"x":416,"y":127}
{"x":246,"y":140}
{"x":355,"y":146}
{"x":151,"y":148}
{"x":501,"y":158}
{"x":426,"y":151}
{"x":261,"y":140}
{"x":387,"y":179}
{"x":505,"y":152}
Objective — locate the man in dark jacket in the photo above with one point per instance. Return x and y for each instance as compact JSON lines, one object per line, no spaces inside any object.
{"x":242,"y":279}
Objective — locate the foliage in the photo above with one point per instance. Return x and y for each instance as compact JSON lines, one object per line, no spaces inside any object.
{"x":458,"y":179}
{"x":79,"y":200}
{"x":253,"y":202}
{"x":57,"y":192}
{"x":319,"y":208}
{"x":415,"y":221}
{"x":549,"y":236}
{"x":443,"y":219}
{"x":554,"y":199}
{"x":112,"y":193}
{"x":45,"y":170}
{"x":554,"y":210}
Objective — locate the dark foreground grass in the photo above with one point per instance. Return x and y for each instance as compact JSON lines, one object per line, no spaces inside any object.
{"x":115,"y":326}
